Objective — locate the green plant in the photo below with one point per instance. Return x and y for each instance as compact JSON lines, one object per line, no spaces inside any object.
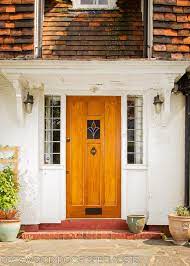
{"x":9,"y":198}
{"x":182,"y":211}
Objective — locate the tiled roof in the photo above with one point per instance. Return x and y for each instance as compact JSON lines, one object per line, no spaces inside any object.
{"x":92,"y":34}
{"x":171,"y":29}
{"x":16,"y":28}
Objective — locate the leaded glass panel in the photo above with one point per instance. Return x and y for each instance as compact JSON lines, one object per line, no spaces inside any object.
{"x":135,"y":129}
{"x":93,"y":129}
{"x":52,"y":134}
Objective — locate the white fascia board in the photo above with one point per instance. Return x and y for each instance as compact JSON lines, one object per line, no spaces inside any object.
{"x":53,"y":67}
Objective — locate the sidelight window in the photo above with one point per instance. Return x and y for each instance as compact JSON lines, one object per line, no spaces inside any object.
{"x":52,"y":130}
{"x":135,"y":129}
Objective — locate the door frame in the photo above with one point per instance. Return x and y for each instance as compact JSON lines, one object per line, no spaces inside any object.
{"x":62,"y":167}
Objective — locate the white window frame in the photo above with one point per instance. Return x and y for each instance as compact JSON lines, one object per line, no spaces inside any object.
{"x":111,"y":5}
{"x":144,"y":159}
{"x":62,"y":130}
{"x":137,"y":156}
{"x":50,"y":129}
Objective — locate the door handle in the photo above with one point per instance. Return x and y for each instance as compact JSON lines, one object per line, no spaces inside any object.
{"x":93,"y":151}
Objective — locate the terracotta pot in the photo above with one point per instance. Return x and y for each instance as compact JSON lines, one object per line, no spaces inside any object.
{"x":179,"y":227}
{"x":9,"y":230}
{"x":136,"y":223}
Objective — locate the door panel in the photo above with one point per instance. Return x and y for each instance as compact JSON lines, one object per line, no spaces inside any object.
{"x":77,"y":109}
{"x":93,"y":156}
{"x":110,"y":187}
{"x":93,"y":184}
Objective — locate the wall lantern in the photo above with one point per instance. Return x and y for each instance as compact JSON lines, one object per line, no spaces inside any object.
{"x":175,"y":90}
{"x":158,"y":103}
{"x":28,"y":103}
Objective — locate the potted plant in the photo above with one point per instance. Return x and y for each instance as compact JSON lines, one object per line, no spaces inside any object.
{"x":179,"y":225}
{"x":9,"y":189}
{"x":136,"y":223}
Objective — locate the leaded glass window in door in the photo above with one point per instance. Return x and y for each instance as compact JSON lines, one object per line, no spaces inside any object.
{"x":93,"y":129}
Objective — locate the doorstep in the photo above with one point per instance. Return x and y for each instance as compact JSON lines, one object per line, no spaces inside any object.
{"x":87,"y":224}
{"x":80,"y":224}
{"x":91,"y":234}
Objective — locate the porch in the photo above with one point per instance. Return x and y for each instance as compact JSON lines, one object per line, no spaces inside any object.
{"x":44,"y":193}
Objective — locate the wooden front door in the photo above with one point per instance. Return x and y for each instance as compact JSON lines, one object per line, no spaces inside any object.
{"x":93,"y":156}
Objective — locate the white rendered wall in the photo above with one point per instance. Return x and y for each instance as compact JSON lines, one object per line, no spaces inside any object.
{"x":26,"y":137}
{"x":154,"y":188}
{"x":167,"y":163}
{"x":53,"y":205}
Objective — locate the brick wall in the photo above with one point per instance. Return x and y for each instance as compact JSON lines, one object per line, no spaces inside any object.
{"x":16,"y":28}
{"x":171,"y":29}
{"x":69,"y":34}
{"x":95,"y":34}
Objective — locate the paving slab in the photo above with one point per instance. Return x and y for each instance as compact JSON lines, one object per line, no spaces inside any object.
{"x":94,"y":252}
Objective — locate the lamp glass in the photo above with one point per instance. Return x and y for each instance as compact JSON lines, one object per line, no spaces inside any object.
{"x":158,"y":107}
{"x":28,"y":108}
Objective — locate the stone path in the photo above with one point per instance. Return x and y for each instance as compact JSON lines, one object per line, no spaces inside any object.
{"x":94,"y":252}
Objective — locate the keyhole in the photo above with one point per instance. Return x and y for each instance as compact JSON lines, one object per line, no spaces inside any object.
{"x":93,"y":151}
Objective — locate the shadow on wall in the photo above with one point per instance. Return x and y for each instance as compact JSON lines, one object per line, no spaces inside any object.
{"x":177,"y":102}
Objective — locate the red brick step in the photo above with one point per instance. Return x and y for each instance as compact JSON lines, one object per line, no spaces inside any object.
{"x":92,"y":234}
{"x":81,"y":224}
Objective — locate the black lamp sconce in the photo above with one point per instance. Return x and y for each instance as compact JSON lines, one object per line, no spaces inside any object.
{"x":28,"y":103}
{"x":158,"y":102}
